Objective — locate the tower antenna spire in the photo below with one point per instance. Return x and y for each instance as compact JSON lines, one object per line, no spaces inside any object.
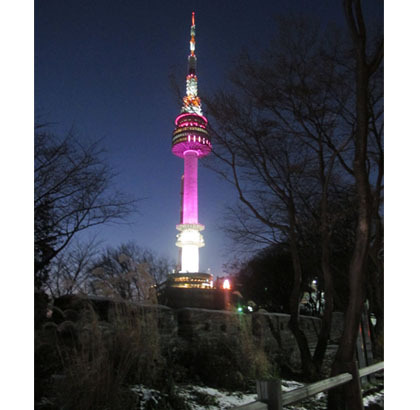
{"x":192,"y":103}
{"x":192,"y":41}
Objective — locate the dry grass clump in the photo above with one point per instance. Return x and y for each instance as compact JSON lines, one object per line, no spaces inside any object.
{"x":101,"y":360}
{"x":228,"y":361}
{"x":253,"y":360}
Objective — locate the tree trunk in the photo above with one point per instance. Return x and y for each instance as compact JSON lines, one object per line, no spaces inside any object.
{"x":378,"y":342}
{"x":308,"y":367}
{"x":357,"y":271}
{"x":324,"y":333}
{"x":375,"y":295}
{"x":347,"y":398}
{"x":376,"y":278}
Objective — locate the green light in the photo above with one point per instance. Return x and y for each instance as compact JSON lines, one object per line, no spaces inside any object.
{"x":240,"y":309}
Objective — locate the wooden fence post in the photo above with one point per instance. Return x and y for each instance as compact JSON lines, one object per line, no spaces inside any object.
{"x":269,"y":391}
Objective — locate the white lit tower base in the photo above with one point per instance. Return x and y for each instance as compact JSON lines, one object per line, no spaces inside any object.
{"x":190,"y":240}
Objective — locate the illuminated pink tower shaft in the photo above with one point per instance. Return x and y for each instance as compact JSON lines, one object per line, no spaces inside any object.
{"x":190,"y":142}
{"x":190,"y":199}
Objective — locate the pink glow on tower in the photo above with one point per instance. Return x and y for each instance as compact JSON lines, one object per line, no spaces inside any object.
{"x":190,"y":201}
{"x":190,"y":142}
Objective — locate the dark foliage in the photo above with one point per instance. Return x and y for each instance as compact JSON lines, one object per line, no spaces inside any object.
{"x":45,"y":242}
{"x":267,"y":279}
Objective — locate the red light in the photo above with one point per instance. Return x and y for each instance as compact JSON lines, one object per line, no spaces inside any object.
{"x":226,"y":284}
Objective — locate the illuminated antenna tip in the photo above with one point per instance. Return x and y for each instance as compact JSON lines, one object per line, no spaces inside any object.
{"x":193,"y":18}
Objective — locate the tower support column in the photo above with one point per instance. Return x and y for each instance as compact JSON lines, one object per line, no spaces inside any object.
{"x":190,"y":200}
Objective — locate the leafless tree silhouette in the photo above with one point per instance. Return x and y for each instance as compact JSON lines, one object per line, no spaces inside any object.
{"x":285,"y":138}
{"x":74,"y":191}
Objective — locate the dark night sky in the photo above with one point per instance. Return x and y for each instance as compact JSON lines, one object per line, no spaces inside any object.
{"x":103,"y":68}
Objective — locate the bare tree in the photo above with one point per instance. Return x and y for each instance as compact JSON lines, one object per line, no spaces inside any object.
{"x":74,"y":191}
{"x":69,"y":270}
{"x":270,"y":144}
{"x":368,"y":60}
{"x":283,"y":138}
{"x":128,"y":272}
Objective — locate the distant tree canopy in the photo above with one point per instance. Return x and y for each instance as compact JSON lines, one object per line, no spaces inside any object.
{"x":73,"y":192}
{"x":124,"y":272}
{"x":69,"y":271}
{"x":267,"y":278}
{"x":128,"y":272}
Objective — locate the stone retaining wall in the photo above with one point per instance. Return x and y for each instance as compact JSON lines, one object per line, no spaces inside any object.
{"x":187,"y":327}
{"x":196,"y":324}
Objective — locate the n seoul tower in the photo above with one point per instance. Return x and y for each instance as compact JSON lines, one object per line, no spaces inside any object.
{"x":190,"y":142}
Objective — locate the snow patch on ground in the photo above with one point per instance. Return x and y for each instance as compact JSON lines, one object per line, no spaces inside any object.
{"x":148,"y":396}
{"x":288,"y":385}
{"x":208,"y":398}
{"x":224,"y":399}
{"x":377,"y":398}
{"x":220,"y":399}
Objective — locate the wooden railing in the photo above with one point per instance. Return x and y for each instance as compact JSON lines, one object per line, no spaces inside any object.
{"x":271,"y":397}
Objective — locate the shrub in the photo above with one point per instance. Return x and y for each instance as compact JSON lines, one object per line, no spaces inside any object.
{"x":96,"y":365}
{"x":228,"y":362}
{"x":97,"y":361}
{"x":252,"y":359}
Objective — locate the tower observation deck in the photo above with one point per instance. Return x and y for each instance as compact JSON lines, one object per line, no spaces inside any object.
{"x":190,"y":142}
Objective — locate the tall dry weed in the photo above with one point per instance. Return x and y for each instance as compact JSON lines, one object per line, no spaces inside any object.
{"x":104,"y":358}
{"x":232,"y":359}
{"x":253,"y":360}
